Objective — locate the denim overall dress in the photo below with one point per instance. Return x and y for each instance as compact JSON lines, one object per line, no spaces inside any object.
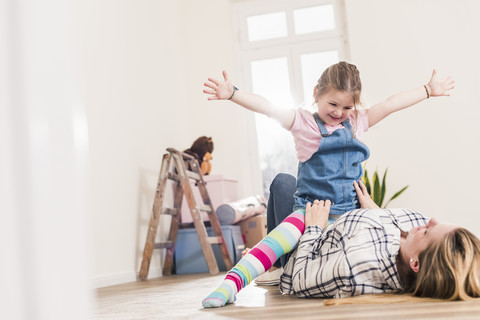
{"x":331,"y":170}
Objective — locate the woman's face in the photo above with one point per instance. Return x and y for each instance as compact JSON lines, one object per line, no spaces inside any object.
{"x":419,"y":238}
{"x":334,"y":106}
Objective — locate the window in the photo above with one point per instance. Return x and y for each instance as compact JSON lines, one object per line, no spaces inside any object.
{"x":285,"y":45}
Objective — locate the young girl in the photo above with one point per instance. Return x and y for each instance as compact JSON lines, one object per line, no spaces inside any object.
{"x":329,"y":151}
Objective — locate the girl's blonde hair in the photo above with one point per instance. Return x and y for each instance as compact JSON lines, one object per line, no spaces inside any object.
{"x":342,"y":76}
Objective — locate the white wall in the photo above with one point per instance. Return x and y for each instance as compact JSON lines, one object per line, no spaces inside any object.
{"x":131,"y":73}
{"x":43,"y":272}
{"x":434,"y":146}
{"x":141,"y":66}
{"x":210,"y":48}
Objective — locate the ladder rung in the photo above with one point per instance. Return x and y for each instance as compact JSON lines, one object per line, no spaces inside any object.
{"x":215,"y":240}
{"x":190,"y":174}
{"x":204,"y":208}
{"x":163,"y":245}
{"x":185,"y":225}
{"x":173,"y":176}
{"x":193,"y":175}
{"x":185,"y":156}
{"x":170,"y":211}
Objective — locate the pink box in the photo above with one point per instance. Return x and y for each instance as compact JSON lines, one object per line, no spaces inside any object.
{"x":220,"y":190}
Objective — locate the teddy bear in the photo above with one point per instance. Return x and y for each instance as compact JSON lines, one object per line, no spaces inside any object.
{"x":206,"y":166}
{"x":201,"y":150}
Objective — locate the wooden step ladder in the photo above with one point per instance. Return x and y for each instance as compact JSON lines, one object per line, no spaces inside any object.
{"x":183,"y":168}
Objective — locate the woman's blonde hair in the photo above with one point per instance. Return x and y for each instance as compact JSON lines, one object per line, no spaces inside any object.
{"x":449,"y":269}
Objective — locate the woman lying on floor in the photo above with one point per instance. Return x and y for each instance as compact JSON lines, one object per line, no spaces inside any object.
{"x":365,"y":251}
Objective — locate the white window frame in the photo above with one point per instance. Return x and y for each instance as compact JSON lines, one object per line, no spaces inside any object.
{"x":293,"y":53}
{"x":291,"y":46}
{"x":258,"y":7}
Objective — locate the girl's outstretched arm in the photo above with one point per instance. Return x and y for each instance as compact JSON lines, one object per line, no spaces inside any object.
{"x":224,"y":89}
{"x":435,"y":88}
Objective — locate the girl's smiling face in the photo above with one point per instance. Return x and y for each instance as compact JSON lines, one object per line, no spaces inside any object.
{"x":334,"y":106}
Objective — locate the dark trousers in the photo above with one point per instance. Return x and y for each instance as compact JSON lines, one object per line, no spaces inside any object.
{"x":280,"y":205}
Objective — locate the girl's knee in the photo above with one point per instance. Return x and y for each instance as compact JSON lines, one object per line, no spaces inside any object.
{"x":283,"y":180}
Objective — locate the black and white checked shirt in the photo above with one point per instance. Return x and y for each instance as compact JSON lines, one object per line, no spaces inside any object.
{"x":354,"y":255}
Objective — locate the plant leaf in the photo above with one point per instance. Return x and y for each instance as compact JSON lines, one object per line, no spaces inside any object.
{"x":367,"y":182}
{"x":383,"y":188}
{"x":396,"y":195}
{"x":376,"y":188}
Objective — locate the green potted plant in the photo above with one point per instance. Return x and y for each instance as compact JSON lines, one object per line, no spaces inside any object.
{"x":377,"y":188}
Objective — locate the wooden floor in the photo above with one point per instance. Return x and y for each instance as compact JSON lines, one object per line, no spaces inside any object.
{"x":179,"y":297}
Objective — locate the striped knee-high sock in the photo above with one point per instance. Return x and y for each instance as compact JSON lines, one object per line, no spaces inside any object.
{"x":281,"y":240}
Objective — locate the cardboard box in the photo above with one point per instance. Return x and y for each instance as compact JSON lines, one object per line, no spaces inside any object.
{"x":189,"y":256}
{"x":254,"y":229}
{"x":220,"y":190}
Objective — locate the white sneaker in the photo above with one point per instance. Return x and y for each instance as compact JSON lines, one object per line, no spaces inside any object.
{"x":270,"y":278}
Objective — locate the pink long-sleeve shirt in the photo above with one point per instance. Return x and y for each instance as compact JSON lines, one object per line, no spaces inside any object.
{"x":307,"y":135}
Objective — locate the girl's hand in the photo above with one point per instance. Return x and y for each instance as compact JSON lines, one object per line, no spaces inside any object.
{"x":440,"y":87}
{"x":316,"y":214}
{"x":364,"y":198}
{"x":219,"y":90}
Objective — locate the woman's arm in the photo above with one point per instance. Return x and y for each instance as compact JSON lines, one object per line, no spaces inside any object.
{"x":223,"y":90}
{"x":436,"y":87}
{"x":302,"y":268}
{"x":316,"y":220}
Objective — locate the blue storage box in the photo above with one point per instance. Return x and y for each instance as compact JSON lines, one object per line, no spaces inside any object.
{"x":189,"y":256}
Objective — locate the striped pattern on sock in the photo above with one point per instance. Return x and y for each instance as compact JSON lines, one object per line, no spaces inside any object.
{"x":281,"y":240}
{"x":218,"y":298}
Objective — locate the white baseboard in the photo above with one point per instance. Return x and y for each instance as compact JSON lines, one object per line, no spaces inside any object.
{"x":121,"y":278}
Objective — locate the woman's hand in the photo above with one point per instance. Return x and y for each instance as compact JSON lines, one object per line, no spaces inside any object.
{"x":364,"y":198}
{"x":440,"y":87}
{"x":219,"y":89}
{"x":316,"y":214}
